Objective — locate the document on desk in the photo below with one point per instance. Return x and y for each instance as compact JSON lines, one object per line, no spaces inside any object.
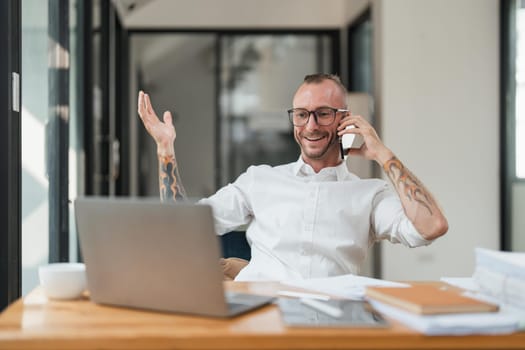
{"x":501,"y":322}
{"x":332,"y":313}
{"x":344,"y":286}
{"x":473,"y":290}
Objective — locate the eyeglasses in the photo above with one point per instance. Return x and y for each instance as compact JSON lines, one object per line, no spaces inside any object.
{"x":323,"y":116}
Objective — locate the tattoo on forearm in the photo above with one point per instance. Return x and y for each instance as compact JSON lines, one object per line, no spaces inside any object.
{"x":170,"y":185}
{"x":406,"y":183}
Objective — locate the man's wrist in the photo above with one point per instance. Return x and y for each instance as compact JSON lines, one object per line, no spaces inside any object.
{"x":384,"y":156}
{"x":165,"y":152}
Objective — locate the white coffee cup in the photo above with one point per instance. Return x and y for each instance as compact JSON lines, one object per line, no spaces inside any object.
{"x":63,"y":280}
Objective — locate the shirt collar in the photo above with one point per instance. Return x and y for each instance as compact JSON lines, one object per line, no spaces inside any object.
{"x":300,"y":168}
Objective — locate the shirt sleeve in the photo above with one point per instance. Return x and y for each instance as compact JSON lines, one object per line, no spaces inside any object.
{"x":231,"y":204}
{"x":389,"y":221}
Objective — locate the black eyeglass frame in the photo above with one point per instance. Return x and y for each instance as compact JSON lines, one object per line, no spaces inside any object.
{"x":314,"y":112}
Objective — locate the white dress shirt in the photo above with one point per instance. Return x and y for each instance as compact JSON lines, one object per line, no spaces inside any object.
{"x":304,"y":224}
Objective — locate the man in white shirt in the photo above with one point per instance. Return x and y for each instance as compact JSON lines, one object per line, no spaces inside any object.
{"x":312,"y":218}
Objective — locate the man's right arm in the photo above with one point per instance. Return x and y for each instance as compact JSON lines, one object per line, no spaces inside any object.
{"x":170,"y":184}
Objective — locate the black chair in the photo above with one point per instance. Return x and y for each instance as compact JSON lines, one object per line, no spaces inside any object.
{"x":234,"y":244}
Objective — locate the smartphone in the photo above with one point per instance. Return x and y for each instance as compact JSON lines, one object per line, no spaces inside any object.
{"x":346,"y":141}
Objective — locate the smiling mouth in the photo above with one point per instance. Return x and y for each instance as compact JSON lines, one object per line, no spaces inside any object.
{"x":313,"y":139}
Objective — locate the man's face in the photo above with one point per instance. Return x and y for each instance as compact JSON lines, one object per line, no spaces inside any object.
{"x":319,"y":142}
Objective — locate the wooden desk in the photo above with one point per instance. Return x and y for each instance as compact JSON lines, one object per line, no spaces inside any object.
{"x":36,"y":323}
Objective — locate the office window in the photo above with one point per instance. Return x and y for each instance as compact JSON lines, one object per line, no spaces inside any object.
{"x":35,"y":181}
{"x":518,"y":183}
{"x":76,"y":103}
{"x":520,"y":91}
{"x":513,"y":124}
{"x":45,"y":118}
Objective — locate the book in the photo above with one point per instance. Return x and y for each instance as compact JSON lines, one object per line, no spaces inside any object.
{"x":426,"y":299}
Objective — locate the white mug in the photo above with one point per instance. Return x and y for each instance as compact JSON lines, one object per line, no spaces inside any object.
{"x":63,"y":280}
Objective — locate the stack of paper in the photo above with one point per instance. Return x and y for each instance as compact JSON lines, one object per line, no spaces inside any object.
{"x":500,"y":322}
{"x":438,"y":310}
{"x":501,"y":275}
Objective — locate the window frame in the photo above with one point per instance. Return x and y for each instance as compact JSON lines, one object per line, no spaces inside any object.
{"x":507,"y":118}
{"x":10,"y":154}
{"x":58,"y":128}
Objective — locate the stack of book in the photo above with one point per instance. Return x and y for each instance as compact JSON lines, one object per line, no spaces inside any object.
{"x":440,"y":309}
{"x":501,"y":275}
{"x":429,"y":299}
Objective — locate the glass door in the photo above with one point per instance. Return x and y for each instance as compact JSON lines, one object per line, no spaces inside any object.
{"x":45,"y":136}
{"x":259,"y":75}
{"x":35,"y":118}
{"x":228,"y":93}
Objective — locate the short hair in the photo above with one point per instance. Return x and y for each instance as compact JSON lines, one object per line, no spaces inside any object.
{"x":320,"y":77}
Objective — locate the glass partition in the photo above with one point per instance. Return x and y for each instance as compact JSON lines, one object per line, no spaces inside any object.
{"x":520,"y":91}
{"x":45,"y":136}
{"x":229,"y":93}
{"x":35,"y":110}
{"x":518,"y":182}
{"x":258,"y":77}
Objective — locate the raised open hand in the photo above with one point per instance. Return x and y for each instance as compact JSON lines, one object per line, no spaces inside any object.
{"x":163,"y":132}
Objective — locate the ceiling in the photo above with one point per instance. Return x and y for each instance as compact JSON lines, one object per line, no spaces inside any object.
{"x":298,"y":14}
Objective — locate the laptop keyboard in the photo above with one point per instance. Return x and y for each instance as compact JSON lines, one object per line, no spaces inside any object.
{"x":238,"y":300}
{"x":235,"y":306}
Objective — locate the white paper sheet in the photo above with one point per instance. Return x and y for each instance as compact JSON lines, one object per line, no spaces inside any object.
{"x":344,"y":286}
{"x":510,"y":264}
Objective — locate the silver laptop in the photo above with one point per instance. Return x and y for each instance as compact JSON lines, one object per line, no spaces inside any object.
{"x":150,"y":255}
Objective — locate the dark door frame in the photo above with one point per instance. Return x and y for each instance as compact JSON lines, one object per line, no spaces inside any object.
{"x":10,"y":152}
{"x":351,"y":30}
{"x":58,"y":131}
{"x":507,"y":118}
{"x":105,"y":163}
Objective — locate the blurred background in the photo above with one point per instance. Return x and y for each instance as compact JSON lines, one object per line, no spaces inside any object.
{"x":442,"y":81}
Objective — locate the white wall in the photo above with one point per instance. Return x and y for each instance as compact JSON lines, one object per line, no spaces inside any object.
{"x":439,"y":113}
{"x":354,"y":8}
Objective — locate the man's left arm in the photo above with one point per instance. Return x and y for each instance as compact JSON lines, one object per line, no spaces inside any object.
{"x":418,"y":203}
